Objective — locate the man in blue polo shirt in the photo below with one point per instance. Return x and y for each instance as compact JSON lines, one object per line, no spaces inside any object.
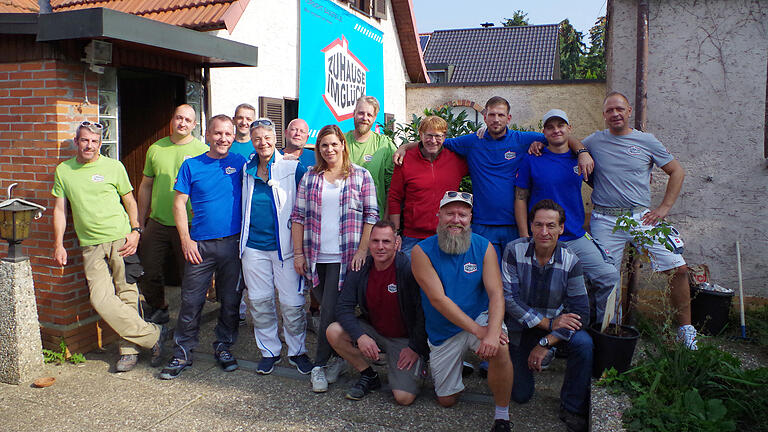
{"x":213,"y":184}
{"x":554,"y":175}
{"x":493,"y":161}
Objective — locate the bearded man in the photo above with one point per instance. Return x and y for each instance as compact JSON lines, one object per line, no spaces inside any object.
{"x":463,"y":302}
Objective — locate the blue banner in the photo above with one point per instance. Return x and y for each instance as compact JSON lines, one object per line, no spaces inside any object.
{"x":342,"y":58}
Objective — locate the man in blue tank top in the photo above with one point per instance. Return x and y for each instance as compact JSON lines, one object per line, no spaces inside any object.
{"x":463,"y":304}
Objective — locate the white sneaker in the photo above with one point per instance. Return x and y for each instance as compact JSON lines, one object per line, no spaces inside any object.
{"x":319,"y":383}
{"x":687,"y":335}
{"x":334,"y":369}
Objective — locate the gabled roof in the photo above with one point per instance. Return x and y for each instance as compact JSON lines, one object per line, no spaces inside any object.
{"x":424,"y":40}
{"x":405,"y":25}
{"x":199,"y":15}
{"x":496,"y":54}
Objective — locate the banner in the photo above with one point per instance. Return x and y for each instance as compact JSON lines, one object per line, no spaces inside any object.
{"x":342,"y":58}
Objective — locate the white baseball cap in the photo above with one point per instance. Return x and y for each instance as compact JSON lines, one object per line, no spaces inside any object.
{"x":554,"y":113}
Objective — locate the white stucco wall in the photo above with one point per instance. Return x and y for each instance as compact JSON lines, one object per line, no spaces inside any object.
{"x":706,"y":103}
{"x":273,"y":26}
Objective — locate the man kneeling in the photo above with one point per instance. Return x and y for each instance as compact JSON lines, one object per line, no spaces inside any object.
{"x":547,"y":304}
{"x":391,"y":317}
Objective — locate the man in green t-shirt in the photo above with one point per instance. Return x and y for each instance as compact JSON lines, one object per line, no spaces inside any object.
{"x":371,"y":150}
{"x":158,"y":229}
{"x":104,"y":213}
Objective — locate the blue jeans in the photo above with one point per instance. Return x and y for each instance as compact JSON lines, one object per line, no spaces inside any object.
{"x":222,"y":257}
{"x":498,"y":235}
{"x":599,"y":270}
{"x":578,"y":371}
{"x":408,"y":244}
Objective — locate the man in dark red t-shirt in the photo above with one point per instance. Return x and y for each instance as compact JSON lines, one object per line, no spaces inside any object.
{"x":391,"y":317}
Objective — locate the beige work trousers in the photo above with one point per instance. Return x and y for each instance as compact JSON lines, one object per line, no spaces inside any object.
{"x":115,"y":300}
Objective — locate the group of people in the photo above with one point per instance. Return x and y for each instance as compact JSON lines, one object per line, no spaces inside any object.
{"x":400,"y":261}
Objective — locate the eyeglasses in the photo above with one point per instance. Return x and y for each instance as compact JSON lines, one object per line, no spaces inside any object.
{"x":464,"y":195}
{"x":435,"y":137}
{"x":90,"y":125}
{"x":262,"y":122}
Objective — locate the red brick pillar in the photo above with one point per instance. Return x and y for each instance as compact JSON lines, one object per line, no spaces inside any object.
{"x":41,"y":104}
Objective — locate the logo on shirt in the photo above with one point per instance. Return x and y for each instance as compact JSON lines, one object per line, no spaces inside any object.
{"x":470,"y":268}
{"x":392,"y":288}
{"x":576,"y":169}
{"x":510,"y":155}
{"x":634,"y":150}
{"x":97,"y":178}
{"x":230,"y":170}
{"x":187,"y":157}
{"x":368,"y":158}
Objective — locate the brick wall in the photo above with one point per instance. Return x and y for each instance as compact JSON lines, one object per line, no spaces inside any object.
{"x":41,"y":103}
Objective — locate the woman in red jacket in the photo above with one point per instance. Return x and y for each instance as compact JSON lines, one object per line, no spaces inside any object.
{"x":427,"y":172}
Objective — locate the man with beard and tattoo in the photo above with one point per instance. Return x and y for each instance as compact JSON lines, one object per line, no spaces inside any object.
{"x":463,"y":302}
{"x":371,"y":150}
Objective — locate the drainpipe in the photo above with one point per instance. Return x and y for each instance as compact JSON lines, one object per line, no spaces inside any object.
{"x":45,"y":6}
{"x":641,"y":116}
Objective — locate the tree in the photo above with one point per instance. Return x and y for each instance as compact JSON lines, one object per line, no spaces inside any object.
{"x":518,"y":19}
{"x":571,"y":51}
{"x":594,"y":62}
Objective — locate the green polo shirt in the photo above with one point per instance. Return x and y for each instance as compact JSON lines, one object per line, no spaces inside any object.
{"x":375,"y":155}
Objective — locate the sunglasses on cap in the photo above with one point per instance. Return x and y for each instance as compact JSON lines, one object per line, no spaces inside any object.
{"x":464,"y":195}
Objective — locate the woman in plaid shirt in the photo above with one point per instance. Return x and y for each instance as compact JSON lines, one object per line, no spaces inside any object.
{"x":331,"y":223}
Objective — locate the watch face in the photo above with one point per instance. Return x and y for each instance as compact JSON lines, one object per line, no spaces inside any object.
{"x":544,"y":342}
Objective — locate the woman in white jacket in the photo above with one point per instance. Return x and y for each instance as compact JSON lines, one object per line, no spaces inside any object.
{"x":266,"y":251}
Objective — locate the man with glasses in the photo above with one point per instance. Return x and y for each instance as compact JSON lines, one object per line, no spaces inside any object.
{"x":157,"y":226}
{"x":371,"y":150}
{"x":105,"y":218}
{"x":212,"y":182}
{"x":296,"y":135}
{"x":463,"y":304}
{"x":427,"y":172}
{"x":244,"y":115}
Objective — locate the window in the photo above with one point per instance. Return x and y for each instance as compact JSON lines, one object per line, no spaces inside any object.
{"x":108,"y":113}
{"x":274,"y":109}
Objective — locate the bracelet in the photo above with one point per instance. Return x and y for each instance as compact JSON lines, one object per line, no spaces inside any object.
{"x":580,"y":151}
{"x":298,"y":255}
{"x":550,"y":323}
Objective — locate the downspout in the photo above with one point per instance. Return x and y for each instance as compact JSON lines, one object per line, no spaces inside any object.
{"x":641,"y":116}
{"x":44,"y":6}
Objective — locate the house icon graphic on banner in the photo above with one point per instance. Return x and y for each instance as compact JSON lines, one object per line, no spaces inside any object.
{"x":345,"y":78}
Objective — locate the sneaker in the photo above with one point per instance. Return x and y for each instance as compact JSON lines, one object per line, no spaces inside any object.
{"x":227,"y":361}
{"x":467,"y":369}
{"x":267,"y":365}
{"x":126,"y":362}
{"x":547,"y":360}
{"x":301,"y":363}
{"x":242,"y":322}
{"x":687,"y":335}
{"x":573,"y":422}
{"x":483,"y":366}
{"x":334,"y":369}
{"x":363,"y":386}
{"x":157,"y":350}
{"x":501,"y":425}
{"x":319,"y":383}
{"x":159,"y":316}
{"x":173,"y":369}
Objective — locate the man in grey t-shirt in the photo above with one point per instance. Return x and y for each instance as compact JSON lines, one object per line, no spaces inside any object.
{"x":624,"y":158}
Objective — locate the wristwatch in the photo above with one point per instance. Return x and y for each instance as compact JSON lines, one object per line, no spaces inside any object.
{"x":138,"y":230}
{"x":580,"y":151}
{"x":544,"y":342}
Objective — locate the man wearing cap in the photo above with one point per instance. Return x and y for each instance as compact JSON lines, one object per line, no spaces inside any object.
{"x":296,"y":135}
{"x":624,"y":158}
{"x":244,"y":115}
{"x":157,"y":227}
{"x":104,"y":213}
{"x":554,"y":175}
{"x":213,"y":184}
{"x":371,"y":150}
{"x":547,"y":305}
{"x":463,"y":304}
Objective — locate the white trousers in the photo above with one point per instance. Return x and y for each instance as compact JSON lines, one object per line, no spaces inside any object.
{"x":263,"y":272}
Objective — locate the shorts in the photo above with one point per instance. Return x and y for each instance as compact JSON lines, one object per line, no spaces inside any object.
{"x":407,"y":380}
{"x":602,"y":229}
{"x":445,"y":360}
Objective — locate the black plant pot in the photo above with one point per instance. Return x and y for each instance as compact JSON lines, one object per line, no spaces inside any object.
{"x":612,"y":351}
{"x":709,"y":310}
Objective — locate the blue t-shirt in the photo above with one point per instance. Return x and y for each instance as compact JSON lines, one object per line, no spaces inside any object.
{"x":555,"y":176}
{"x":307,"y":157}
{"x":244,"y":149}
{"x":214,"y":187}
{"x":462,"y":279}
{"x":261,"y":229}
{"x":492,"y":167}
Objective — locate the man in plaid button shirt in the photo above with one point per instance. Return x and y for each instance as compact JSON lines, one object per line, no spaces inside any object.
{"x":546,"y":305}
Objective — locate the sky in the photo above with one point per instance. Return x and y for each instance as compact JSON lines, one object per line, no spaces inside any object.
{"x":452,"y":14}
